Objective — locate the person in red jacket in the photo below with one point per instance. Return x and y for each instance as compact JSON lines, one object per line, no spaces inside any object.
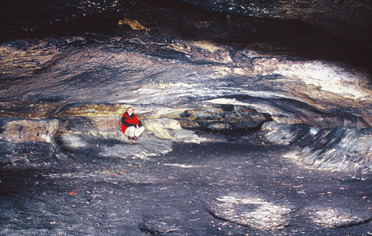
{"x":130,"y":125}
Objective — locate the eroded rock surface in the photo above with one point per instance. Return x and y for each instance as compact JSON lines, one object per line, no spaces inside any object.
{"x":96,"y":83}
{"x":291,"y":78}
{"x":253,"y":212}
{"x":197,"y":189}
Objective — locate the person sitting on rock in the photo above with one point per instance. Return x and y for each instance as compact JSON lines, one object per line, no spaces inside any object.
{"x":130,"y":125}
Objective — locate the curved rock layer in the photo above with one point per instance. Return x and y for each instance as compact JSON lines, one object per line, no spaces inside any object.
{"x":193,"y":71}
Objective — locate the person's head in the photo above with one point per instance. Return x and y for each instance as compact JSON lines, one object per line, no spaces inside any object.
{"x":130,"y":110}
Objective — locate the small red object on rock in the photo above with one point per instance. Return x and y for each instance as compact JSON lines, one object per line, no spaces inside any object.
{"x":72,"y":192}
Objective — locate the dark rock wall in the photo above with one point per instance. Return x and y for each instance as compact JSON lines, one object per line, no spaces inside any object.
{"x":297,"y":71}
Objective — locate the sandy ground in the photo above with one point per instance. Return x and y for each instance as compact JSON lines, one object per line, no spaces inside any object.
{"x":206,"y":189}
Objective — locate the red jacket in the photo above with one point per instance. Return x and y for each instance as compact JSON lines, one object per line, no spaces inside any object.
{"x":127,"y":121}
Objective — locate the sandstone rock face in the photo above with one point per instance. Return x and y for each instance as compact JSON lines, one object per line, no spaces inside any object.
{"x":69,"y":91}
{"x":258,"y":116}
{"x":341,"y":149}
{"x":252,"y":211}
{"x":327,"y":13}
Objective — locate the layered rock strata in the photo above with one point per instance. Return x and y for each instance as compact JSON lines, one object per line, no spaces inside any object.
{"x":274,"y":92}
{"x":217,"y":89}
{"x":67,"y":90}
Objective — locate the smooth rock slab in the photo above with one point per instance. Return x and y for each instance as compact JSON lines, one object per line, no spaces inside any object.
{"x":253,"y":212}
{"x":337,"y":217}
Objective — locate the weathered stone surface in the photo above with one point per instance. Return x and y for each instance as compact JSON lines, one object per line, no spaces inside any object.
{"x":29,"y":130}
{"x":318,"y":12}
{"x":252,"y":211}
{"x":211,"y":78}
{"x":342,"y":149}
{"x":27,"y":155}
{"x":95,"y":83}
{"x":337,"y":217}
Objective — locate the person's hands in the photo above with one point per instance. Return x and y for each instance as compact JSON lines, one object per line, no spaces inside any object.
{"x":137,"y":127}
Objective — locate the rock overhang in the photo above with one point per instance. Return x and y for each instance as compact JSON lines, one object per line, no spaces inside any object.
{"x":232,"y":102}
{"x":217,"y":72}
